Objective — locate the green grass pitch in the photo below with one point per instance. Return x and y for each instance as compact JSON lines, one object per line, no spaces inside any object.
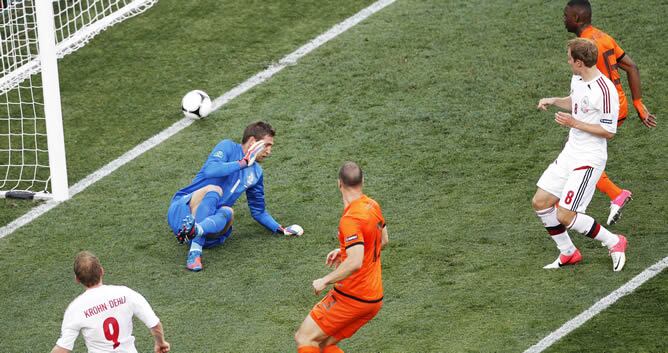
{"x":435,"y":99}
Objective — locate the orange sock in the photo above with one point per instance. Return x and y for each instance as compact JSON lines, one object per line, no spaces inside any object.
{"x":607,"y":186}
{"x":308,"y":349}
{"x":332,"y":349}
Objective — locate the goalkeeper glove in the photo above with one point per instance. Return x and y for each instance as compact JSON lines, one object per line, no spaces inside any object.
{"x":293,"y":230}
{"x":645,"y":116}
{"x":253,"y":151}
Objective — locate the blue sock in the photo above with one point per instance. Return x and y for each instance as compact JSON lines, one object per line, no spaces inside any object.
{"x":207,"y":207}
{"x":209,"y":217}
{"x":215,"y":223}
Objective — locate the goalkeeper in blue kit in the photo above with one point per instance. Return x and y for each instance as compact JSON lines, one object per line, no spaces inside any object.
{"x":201,"y":214}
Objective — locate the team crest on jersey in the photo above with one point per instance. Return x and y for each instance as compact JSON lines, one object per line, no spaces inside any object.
{"x":218,"y":154}
{"x":250,"y":179}
{"x":584,"y":105}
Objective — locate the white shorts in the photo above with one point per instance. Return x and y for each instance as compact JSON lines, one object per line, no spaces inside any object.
{"x":574,"y":184}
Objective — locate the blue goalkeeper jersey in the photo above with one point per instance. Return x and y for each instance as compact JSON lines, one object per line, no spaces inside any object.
{"x":222,"y":168}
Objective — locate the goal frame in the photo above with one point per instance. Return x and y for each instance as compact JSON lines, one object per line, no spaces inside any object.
{"x":52,"y":47}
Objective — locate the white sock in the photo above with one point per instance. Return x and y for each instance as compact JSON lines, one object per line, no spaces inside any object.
{"x":556,"y":230}
{"x":195,"y":247}
{"x":588,"y":226}
{"x":564,"y":244}
{"x":606,"y":237}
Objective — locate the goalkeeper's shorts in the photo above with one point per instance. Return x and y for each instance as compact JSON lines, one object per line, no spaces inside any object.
{"x":178,"y":210}
{"x":340,"y":317}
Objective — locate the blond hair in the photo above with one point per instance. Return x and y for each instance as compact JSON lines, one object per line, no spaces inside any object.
{"x":87,"y":268}
{"x":583,"y":49}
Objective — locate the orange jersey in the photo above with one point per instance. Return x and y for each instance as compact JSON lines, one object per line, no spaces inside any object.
{"x":361,"y":225}
{"x":609,"y":55}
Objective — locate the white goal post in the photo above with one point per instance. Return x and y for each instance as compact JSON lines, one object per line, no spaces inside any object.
{"x":34,"y":34}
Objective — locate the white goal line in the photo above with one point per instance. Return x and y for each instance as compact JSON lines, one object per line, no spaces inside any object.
{"x":257,"y":79}
{"x":600,"y":305}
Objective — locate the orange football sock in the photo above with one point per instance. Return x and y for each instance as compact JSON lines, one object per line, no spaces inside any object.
{"x":607,"y":186}
{"x":332,"y":349}
{"x":308,"y":349}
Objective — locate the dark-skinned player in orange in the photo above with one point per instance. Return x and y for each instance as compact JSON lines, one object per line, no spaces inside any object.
{"x":611,"y":57}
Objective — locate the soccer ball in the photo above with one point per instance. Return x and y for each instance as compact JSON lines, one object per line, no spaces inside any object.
{"x":196,"y":104}
{"x":296,"y":230}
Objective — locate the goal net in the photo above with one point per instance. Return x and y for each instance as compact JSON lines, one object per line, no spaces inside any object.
{"x":33,"y":35}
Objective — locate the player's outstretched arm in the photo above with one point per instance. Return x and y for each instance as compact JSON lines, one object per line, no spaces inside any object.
{"x":352,"y":263}
{"x":255,"y":197}
{"x":160,"y":346}
{"x":563,"y":103}
{"x":633,"y":75}
{"x":59,"y":349}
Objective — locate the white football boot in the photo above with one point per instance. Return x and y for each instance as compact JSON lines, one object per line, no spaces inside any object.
{"x":618,"y":255}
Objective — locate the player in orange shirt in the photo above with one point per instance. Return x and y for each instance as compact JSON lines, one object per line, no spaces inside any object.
{"x":577,"y":19}
{"x":357,"y":295}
